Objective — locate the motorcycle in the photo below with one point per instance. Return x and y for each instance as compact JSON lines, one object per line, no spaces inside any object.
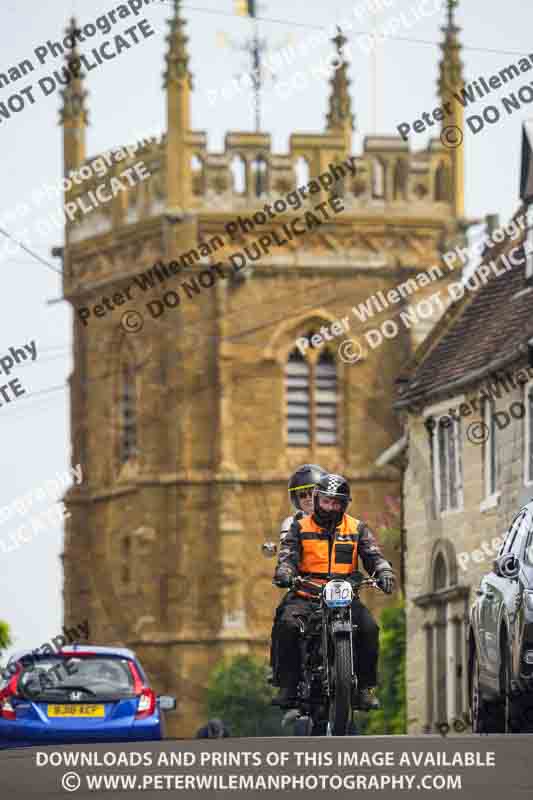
{"x":327,"y":692}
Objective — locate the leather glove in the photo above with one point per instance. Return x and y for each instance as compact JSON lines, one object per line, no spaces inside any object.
{"x":386,"y":581}
{"x":283,"y":578}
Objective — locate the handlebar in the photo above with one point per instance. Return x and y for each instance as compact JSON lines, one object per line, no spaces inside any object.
{"x":297,"y":580}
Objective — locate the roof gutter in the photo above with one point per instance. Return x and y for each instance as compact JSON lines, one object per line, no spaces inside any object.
{"x":392,"y":452}
{"x":458,"y":383}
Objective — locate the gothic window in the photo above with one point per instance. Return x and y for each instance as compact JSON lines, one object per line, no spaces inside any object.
{"x":198,"y":175}
{"x":378,"y":179}
{"x":311,"y":398}
{"x":302,"y":171}
{"x":238,"y":171}
{"x":128,"y":414}
{"x":528,"y":438}
{"x":445,"y":640}
{"x":442,"y":183}
{"x":260,"y":176}
{"x":400,"y":180}
{"x":440,"y":573}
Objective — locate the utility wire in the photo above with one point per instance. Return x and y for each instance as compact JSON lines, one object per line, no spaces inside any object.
{"x":352,"y":33}
{"x":27,"y":249}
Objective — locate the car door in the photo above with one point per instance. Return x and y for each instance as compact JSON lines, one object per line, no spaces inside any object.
{"x":492,"y":594}
{"x":515,"y":591}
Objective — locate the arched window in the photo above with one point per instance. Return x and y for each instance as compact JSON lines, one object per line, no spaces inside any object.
{"x":128,"y":414}
{"x":260,"y":176}
{"x":301,"y":169}
{"x":338,"y":188}
{"x":238,"y":171}
{"x":446,"y":622}
{"x":442,"y":183}
{"x":311,"y":397}
{"x":400,"y":180}
{"x":198,"y":175}
{"x":378,"y":179}
{"x":440,"y":573}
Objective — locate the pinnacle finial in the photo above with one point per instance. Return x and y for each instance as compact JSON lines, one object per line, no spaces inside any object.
{"x":340,"y":104}
{"x":450,"y":67}
{"x":452,"y":5}
{"x":177,"y":58}
{"x":73,"y":94}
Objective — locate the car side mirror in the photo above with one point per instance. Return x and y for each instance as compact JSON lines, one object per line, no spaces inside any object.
{"x":166,"y":703}
{"x":269,"y":549}
{"x":507,"y":566}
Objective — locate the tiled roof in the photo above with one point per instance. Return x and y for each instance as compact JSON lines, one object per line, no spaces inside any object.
{"x":484,"y":328}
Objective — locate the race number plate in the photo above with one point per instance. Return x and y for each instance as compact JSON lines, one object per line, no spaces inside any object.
{"x":338,"y":594}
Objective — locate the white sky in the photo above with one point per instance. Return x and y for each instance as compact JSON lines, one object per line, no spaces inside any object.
{"x":126,"y":101}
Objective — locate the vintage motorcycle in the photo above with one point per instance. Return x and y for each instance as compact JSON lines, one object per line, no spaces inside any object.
{"x":327,"y":692}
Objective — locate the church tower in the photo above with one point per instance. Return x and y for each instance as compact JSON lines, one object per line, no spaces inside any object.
{"x":191,"y":400}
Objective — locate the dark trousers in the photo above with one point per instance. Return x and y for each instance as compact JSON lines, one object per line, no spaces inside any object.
{"x":285,"y":648}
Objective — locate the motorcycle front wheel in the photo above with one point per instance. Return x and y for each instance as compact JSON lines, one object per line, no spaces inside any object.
{"x":340,"y":706}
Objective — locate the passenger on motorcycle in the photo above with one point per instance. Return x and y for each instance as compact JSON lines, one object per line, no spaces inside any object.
{"x":301,"y":484}
{"x":328,"y":542}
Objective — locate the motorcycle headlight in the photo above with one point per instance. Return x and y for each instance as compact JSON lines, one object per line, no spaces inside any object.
{"x":338,"y":594}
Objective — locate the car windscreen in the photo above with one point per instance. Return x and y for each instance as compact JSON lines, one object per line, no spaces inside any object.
{"x":79,"y":679}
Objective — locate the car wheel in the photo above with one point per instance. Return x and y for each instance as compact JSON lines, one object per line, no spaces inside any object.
{"x":484,"y":719}
{"x":512,"y":722}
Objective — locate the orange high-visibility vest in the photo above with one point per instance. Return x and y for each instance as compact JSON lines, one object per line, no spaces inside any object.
{"x":315,"y":555}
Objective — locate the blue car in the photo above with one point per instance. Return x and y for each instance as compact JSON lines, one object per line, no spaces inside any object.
{"x":82,"y":693}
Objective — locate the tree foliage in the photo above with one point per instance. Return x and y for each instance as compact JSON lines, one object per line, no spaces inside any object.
{"x":5,"y":637}
{"x":391,"y":717}
{"x":238,"y":693}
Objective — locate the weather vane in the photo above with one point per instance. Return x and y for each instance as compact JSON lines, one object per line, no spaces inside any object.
{"x":256,"y":47}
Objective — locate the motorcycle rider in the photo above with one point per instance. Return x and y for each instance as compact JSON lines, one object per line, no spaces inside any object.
{"x":329,"y":541}
{"x":300,"y":487}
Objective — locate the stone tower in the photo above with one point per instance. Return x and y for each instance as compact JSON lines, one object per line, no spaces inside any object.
{"x":188,"y":428}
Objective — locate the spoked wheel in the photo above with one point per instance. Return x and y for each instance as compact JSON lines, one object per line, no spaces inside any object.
{"x":484,"y":716}
{"x":341,"y":673}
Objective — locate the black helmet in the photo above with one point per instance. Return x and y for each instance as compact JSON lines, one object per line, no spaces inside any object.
{"x":305,"y":477}
{"x":216,"y":729}
{"x":331,"y":486}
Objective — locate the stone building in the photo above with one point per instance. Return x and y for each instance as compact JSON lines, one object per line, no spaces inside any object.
{"x":188,"y":428}
{"x":467,"y":404}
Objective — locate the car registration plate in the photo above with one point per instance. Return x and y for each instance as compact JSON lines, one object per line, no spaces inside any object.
{"x":85,"y":710}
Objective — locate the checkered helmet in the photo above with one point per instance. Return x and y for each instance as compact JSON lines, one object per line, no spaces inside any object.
{"x":335,"y":486}
{"x":305,"y":477}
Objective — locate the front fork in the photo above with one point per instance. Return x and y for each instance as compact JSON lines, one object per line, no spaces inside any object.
{"x":325,"y":645}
